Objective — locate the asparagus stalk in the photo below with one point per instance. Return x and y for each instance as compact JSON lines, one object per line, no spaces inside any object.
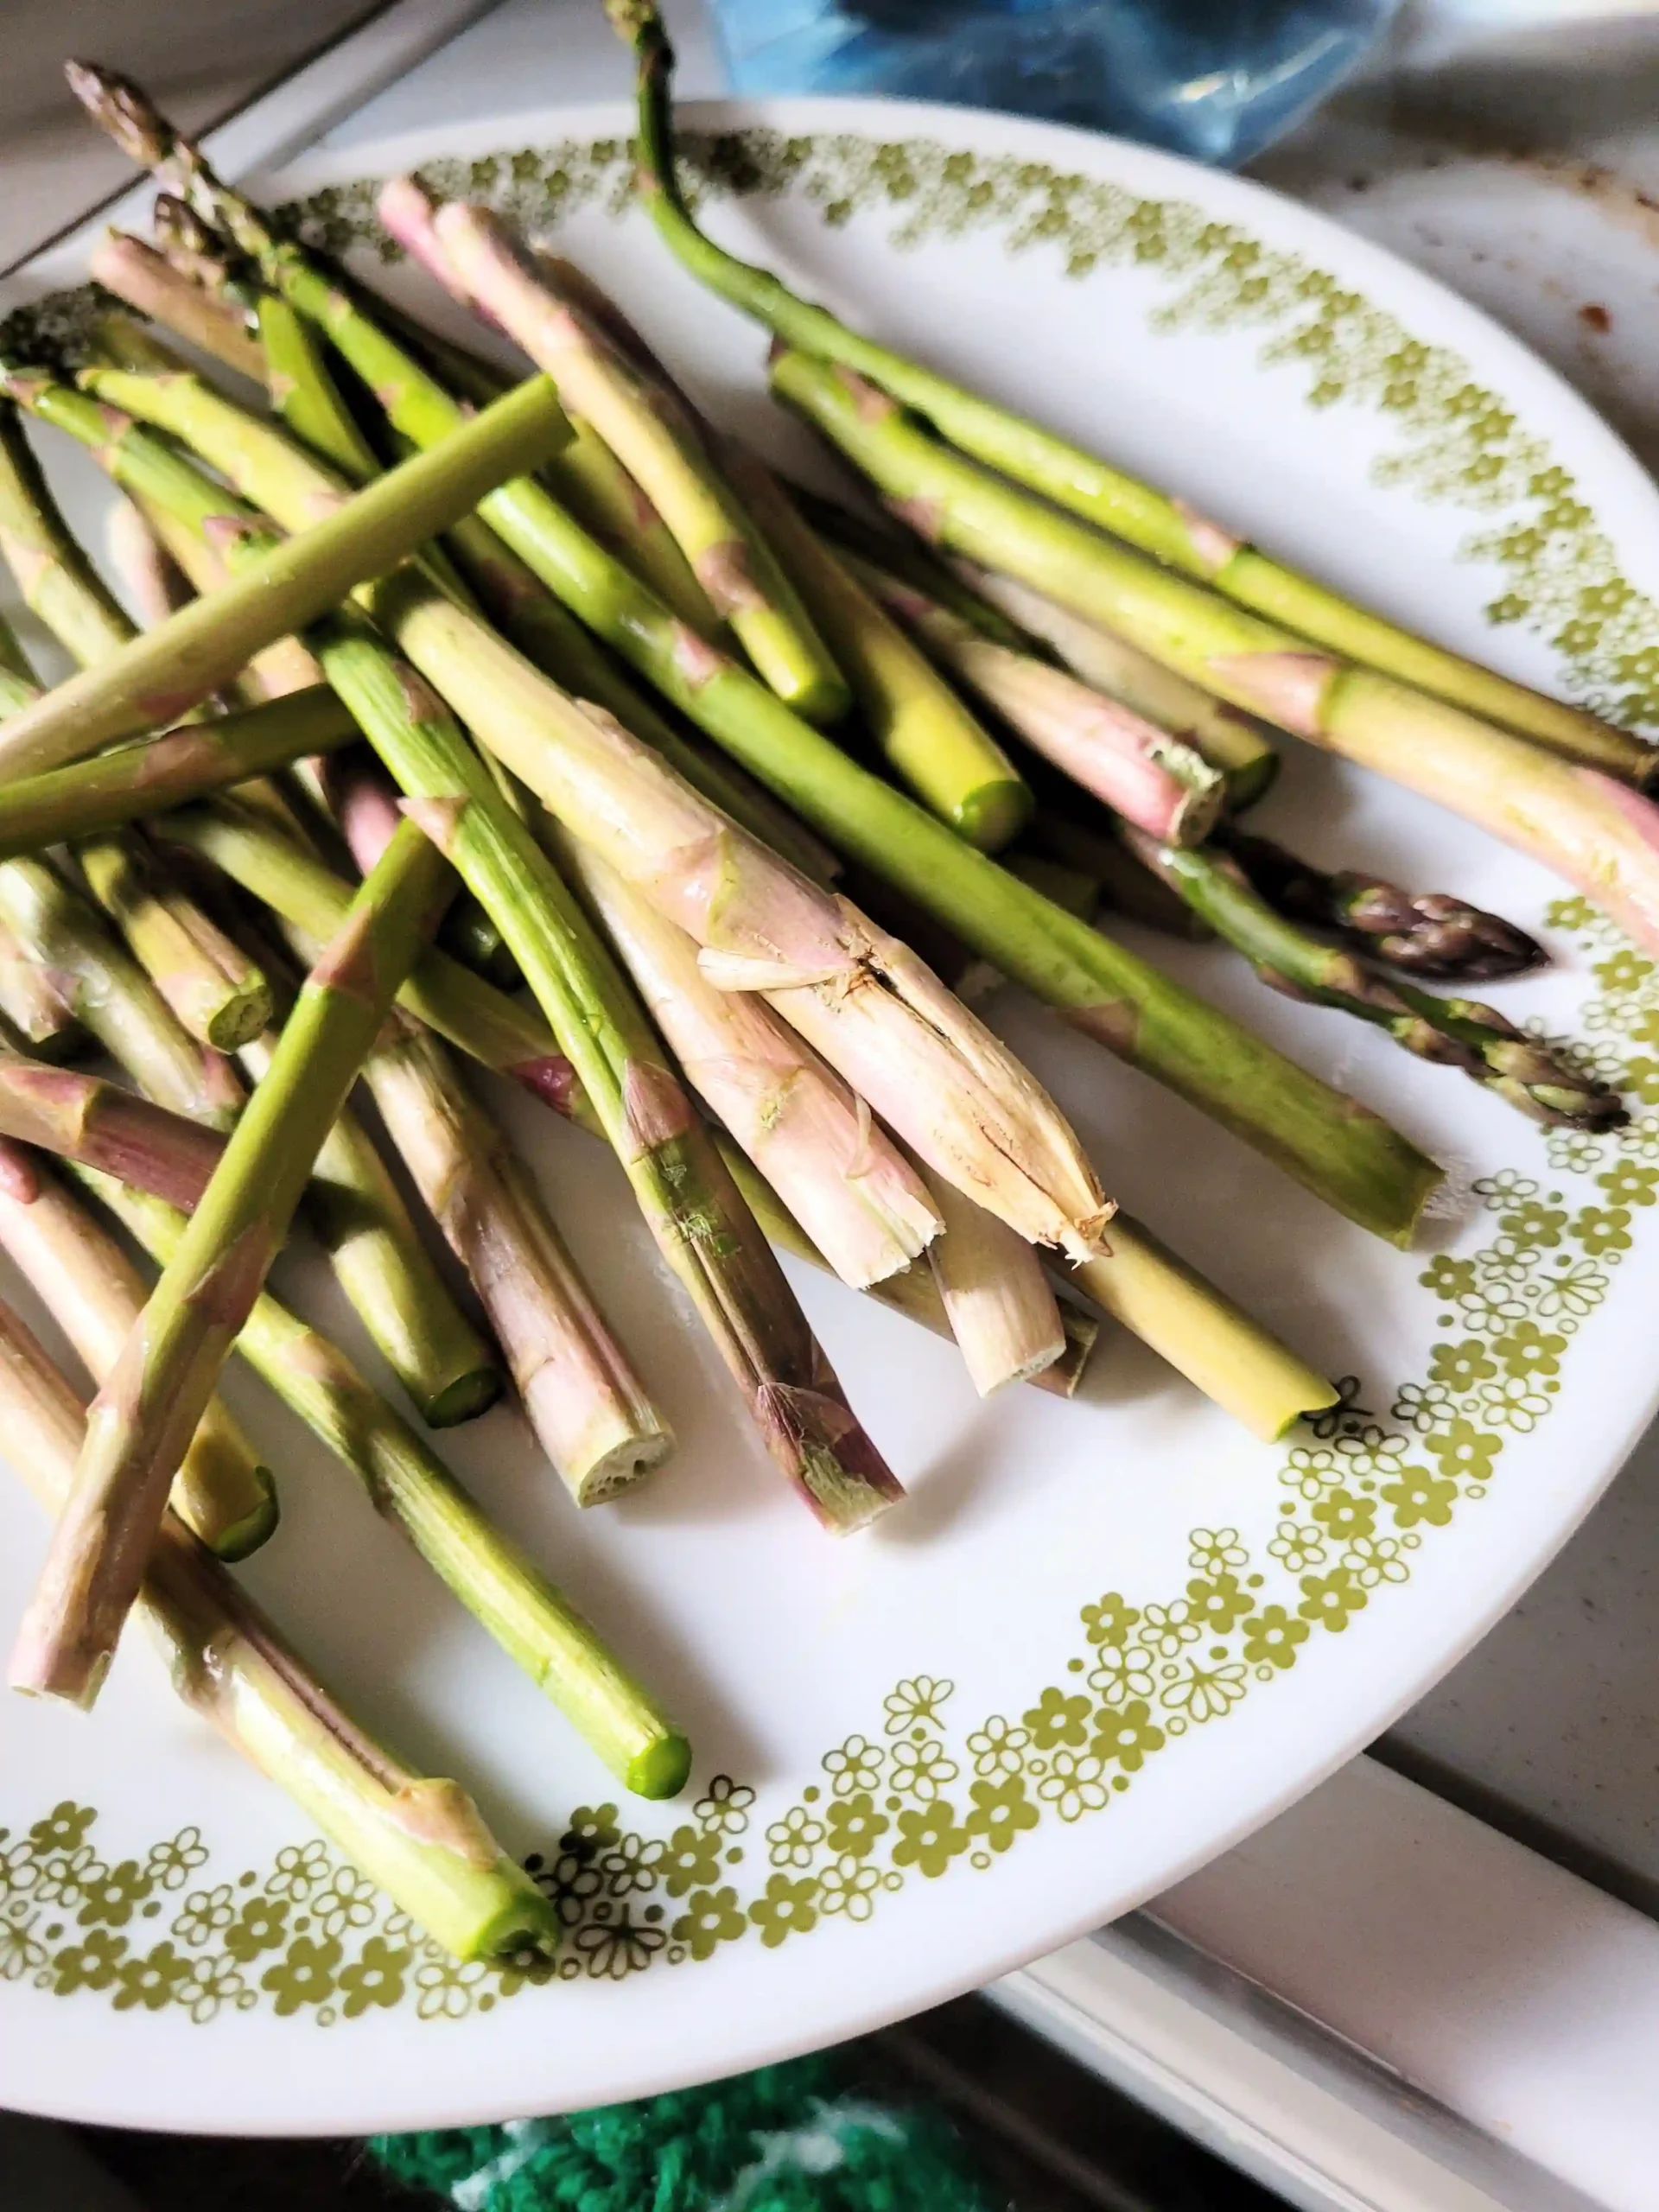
{"x":163,"y":672}
{"x":99,"y":1124}
{"x":1452,"y":1033}
{"x":483,"y":1022}
{"x":94,"y":1294}
{"x":150,"y":1403}
{"x":858,"y":1200}
{"x":656,"y":441}
{"x":111,"y":995}
{"x":155,"y":584}
{"x":1234,"y":742}
{"x":422,"y":1840}
{"x":1427,"y":933}
{"x":148,"y":281}
{"x":57,"y":582}
{"x":275,"y":672}
{"x":1001,"y":1311}
{"x":1175,"y":534}
{"x":926,"y":735}
{"x":1348,"y":1157}
{"x":32,"y":1014}
{"x":590,"y":1413}
{"x":1573,"y":818}
{"x":1159,"y":782}
{"x":1095,"y":849}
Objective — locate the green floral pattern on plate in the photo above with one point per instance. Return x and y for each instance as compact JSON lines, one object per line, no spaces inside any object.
{"x":923,"y":1792}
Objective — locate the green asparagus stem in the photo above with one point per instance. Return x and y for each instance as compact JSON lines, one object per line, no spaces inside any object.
{"x":147,"y":280}
{"x":655,"y":440}
{"x":925,"y":734}
{"x":1573,"y":818}
{"x":58,"y":583}
{"x":1093,"y":848}
{"x":1166,"y":528}
{"x":152,"y":775}
{"x":94,"y":1294}
{"x":1452,"y":1033}
{"x":1347,"y":1156}
{"x":111,"y":995}
{"x":165,"y":672}
{"x":1429,"y":933}
{"x":422,"y":1840}
{"x":145,"y":1411}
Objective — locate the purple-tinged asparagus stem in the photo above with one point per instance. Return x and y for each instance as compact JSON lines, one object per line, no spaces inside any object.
{"x":94,"y":1294}
{"x":99,"y":1123}
{"x":146,"y":1410}
{"x":146,"y":280}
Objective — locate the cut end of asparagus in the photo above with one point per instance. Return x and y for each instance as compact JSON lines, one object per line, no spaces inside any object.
{"x":1081,"y":1330}
{"x":662,"y":1769}
{"x":244,"y":1012}
{"x":620,"y":1470}
{"x":525,"y":1931}
{"x":994,"y":815}
{"x":463,"y":1399}
{"x":239,"y":1540}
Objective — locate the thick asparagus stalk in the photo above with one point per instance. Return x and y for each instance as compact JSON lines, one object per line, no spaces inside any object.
{"x":99,"y":1124}
{"x":111,"y":995}
{"x":1232,"y":742}
{"x":926,"y":735}
{"x":655,"y":440}
{"x":1003,"y":1313}
{"x":1426,"y":933}
{"x":94,"y":1294}
{"x":163,"y":672}
{"x":591,"y":1414}
{"x":1573,"y":818}
{"x":1168,"y":528}
{"x":146,"y":1410}
{"x":152,"y":775}
{"x":1159,"y":782}
{"x":1349,"y":1157}
{"x":1453,"y":1032}
{"x":148,"y":281}
{"x":422,"y":1840}
{"x":858,"y":1200}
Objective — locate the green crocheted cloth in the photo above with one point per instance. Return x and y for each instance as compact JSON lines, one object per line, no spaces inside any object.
{"x":789,"y":2138}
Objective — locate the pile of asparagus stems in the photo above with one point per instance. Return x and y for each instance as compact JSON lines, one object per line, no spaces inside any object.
{"x":537,"y":727}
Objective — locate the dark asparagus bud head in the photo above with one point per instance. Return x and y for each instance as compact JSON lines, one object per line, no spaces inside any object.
{"x":635,"y":21}
{"x":123,"y":109}
{"x":1433,"y":933}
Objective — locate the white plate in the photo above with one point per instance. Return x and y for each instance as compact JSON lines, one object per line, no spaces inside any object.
{"x":890,"y":1705}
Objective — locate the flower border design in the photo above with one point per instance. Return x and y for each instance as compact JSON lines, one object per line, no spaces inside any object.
{"x":921,"y":1795}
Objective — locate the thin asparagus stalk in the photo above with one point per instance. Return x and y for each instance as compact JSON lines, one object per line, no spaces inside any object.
{"x":152,"y":775}
{"x":57,"y":582}
{"x":111,"y":995}
{"x":655,"y":440}
{"x":147,"y":280}
{"x":421,"y":1841}
{"x":146,"y":1409}
{"x":1168,"y":528}
{"x":1159,"y":782}
{"x":926,"y":735}
{"x":94,"y":1294}
{"x":1349,"y":1157}
{"x":411,"y":1488}
{"x":375,"y":1250}
{"x":163,"y":672}
{"x":274,"y":672}
{"x":218,"y":993}
{"x":1585,"y":824}
{"x":590,"y":1413}
{"x":1095,"y":849}
{"x":1003,"y":1313}
{"x":483,"y":1022}
{"x":1452,"y":1033}
{"x":856,"y":1197}
{"x":100,"y":1124}
{"x":155,"y":583}
{"x":1426,"y":933}
{"x":1230,"y":741}
{"x":31,"y":1013}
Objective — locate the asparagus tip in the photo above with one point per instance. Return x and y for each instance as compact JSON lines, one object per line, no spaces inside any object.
{"x":123,"y":109}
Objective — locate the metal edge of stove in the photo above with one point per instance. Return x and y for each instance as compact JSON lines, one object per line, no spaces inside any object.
{"x":1379,"y":2004}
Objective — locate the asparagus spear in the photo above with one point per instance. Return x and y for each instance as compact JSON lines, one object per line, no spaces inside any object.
{"x":146,"y":280}
{"x":926,"y":735}
{"x":94,"y":1294}
{"x":861,"y":1203}
{"x":655,"y":440}
{"x":1453,"y":1032}
{"x":422,"y":1840}
{"x":57,"y":582}
{"x":275,"y":672}
{"x":164,"y":671}
{"x":1168,"y":528}
{"x":1003,"y":1313}
{"x":32,"y":1014}
{"x":155,"y":584}
{"x":1349,"y":1157}
{"x":1575,"y":819}
{"x":148,"y":1407}
{"x":90,"y":1120}
{"x":1163,"y":784}
{"x":1234,"y":742}
{"x":1427,"y":933}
